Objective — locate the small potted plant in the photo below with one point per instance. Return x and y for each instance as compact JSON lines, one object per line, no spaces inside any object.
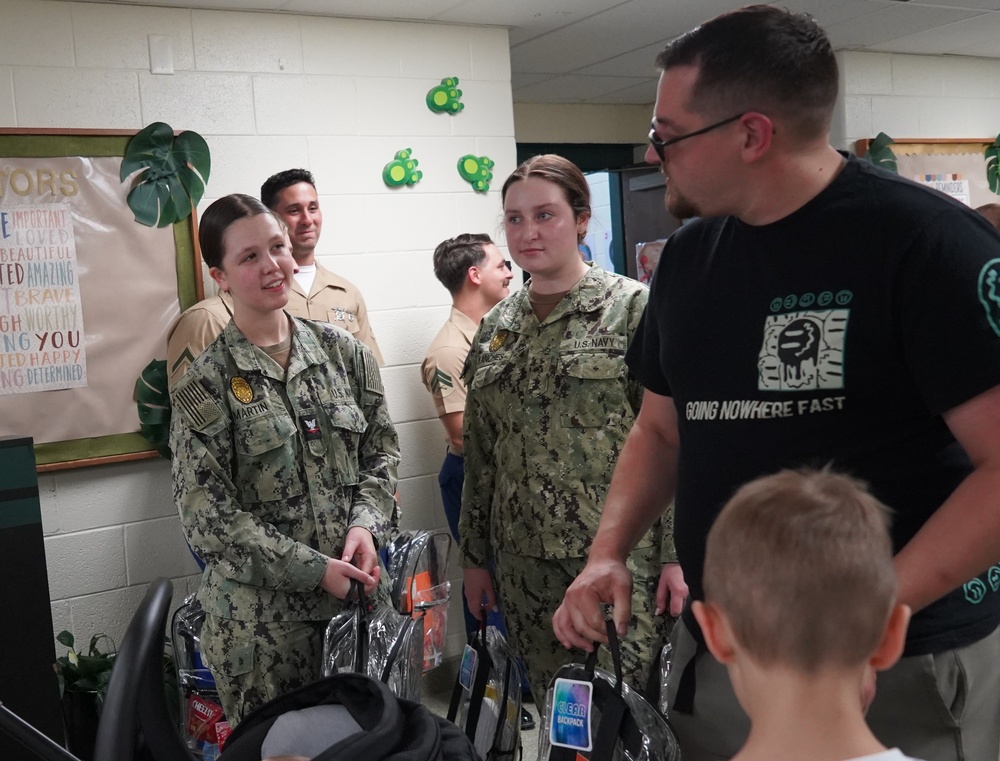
{"x":83,"y":683}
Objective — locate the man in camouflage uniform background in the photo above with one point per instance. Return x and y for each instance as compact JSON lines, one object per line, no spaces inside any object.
{"x":277,"y":456}
{"x":550,"y":404}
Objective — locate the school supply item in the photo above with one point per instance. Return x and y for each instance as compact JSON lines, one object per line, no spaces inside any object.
{"x":486,"y":699}
{"x":591,"y":715}
{"x":376,"y":640}
{"x":417,"y":562}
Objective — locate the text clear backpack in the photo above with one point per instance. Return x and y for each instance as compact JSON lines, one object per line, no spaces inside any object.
{"x":592,"y":715}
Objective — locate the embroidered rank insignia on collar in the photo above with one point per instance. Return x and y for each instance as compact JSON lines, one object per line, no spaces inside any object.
{"x":371,"y":378}
{"x":196,"y":403}
{"x":310,"y":427}
{"x":499,"y":339}
{"x":241,"y":389}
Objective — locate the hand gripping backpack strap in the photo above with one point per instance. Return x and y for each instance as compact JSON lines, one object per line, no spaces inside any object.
{"x":608,"y":700}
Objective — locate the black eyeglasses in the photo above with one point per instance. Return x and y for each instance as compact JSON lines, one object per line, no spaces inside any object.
{"x":660,"y":145}
{"x":507,"y":264}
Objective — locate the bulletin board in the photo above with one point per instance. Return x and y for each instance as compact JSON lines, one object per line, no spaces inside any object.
{"x":955,"y":166}
{"x":87,"y":296}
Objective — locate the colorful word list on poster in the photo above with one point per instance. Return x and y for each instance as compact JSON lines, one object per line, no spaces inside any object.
{"x":41,"y":320}
{"x":950,"y":184}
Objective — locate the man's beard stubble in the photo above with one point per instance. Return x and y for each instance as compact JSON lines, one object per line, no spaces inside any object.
{"x":678,"y":205}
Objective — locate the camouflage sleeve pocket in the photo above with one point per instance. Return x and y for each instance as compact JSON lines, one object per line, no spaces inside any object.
{"x":486,"y":375}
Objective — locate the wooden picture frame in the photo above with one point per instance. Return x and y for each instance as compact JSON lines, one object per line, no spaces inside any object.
{"x":141,"y":332}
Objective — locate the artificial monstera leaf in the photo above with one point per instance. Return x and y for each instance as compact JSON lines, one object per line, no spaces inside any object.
{"x":153,"y":403}
{"x":172,"y":175}
{"x":993,"y":165}
{"x":880,"y":154}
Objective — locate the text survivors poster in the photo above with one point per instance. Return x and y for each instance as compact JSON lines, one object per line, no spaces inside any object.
{"x":41,"y":319}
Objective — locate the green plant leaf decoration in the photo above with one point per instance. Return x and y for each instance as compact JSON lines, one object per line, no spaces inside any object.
{"x":172,"y":174}
{"x":90,"y":672}
{"x":880,"y":154}
{"x":476,"y":171}
{"x":445,"y":98}
{"x":992,"y":154}
{"x":153,"y":402}
{"x":402,"y":170}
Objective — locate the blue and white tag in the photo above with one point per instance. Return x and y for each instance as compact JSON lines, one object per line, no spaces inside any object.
{"x":571,"y":707}
{"x":468,"y":668}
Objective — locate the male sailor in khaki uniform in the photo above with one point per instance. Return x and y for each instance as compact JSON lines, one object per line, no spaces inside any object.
{"x":316,"y":293}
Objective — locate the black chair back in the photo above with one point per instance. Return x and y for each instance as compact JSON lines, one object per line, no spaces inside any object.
{"x":135,"y":692}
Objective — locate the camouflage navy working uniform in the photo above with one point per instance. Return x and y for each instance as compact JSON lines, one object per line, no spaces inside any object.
{"x":270,"y":471}
{"x":548,"y":410}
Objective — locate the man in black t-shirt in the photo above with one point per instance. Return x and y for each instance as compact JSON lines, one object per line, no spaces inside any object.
{"x":820,"y":311}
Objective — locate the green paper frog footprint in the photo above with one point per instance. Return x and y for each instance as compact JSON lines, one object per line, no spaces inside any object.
{"x":402,"y":170}
{"x":476,"y":171}
{"x":444,"y":98}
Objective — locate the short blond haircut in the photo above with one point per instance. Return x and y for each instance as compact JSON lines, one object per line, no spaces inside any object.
{"x":800,"y":563}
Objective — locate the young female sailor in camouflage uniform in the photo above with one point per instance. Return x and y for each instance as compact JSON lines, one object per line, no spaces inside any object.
{"x":284,"y":466}
{"x":550,"y":402}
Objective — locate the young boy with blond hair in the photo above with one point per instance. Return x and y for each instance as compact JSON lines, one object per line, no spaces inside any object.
{"x":800,"y":605}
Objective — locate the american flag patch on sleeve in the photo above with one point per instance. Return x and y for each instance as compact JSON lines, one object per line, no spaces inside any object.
{"x":196,"y":404}
{"x":371,"y":378}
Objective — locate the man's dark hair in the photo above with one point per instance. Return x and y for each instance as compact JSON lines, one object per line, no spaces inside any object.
{"x":274,"y":184}
{"x":216,"y":220}
{"x":453,"y":257}
{"x":760,"y":58}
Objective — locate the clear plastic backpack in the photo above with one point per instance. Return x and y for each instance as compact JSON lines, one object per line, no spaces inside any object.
{"x":378,"y":641}
{"x":203,"y":722}
{"x":417,"y":562}
{"x":486,"y":699}
{"x":619,"y":725}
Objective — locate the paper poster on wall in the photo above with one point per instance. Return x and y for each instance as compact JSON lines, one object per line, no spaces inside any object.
{"x":96,"y":297}
{"x":959,"y":175}
{"x":41,"y":315}
{"x":949,"y":184}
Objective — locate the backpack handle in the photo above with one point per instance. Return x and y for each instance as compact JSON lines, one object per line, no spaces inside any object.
{"x":361,"y":632}
{"x":484,"y":664}
{"x":616,"y":656}
{"x":614,"y":710}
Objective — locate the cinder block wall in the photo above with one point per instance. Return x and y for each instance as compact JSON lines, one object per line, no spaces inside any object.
{"x":909,"y":96}
{"x":268,"y":92}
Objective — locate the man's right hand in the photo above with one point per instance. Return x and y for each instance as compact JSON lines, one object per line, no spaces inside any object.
{"x":579,"y":621}
{"x":479,"y":592}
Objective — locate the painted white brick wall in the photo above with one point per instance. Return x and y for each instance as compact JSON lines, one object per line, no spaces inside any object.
{"x":268,"y":92}
{"x":909,"y":96}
